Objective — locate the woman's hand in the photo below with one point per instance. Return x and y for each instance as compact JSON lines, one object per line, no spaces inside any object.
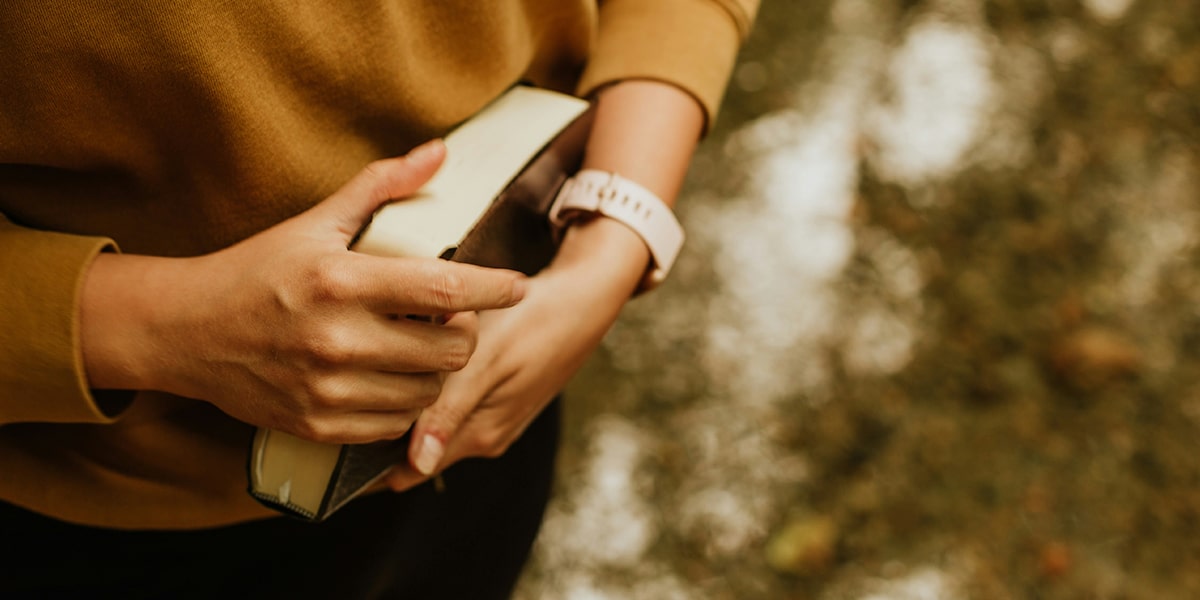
{"x":527,"y":353}
{"x":289,"y":329}
{"x":645,"y":131}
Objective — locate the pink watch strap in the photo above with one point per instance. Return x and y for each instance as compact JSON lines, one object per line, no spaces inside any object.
{"x":609,"y":194}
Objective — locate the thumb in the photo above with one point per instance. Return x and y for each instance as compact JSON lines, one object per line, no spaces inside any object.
{"x":349,"y":208}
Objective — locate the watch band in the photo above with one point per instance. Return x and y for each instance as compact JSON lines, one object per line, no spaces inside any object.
{"x":599,"y":192}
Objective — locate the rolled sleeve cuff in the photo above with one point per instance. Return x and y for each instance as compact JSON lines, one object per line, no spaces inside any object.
{"x":691,"y":44}
{"x":42,"y":377}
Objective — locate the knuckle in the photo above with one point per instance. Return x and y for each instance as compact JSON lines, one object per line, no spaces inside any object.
{"x":317,"y":430}
{"x":448,"y":289}
{"x":429,"y":390}
{"x":488,"y":445}
{"x":495,"y":451}
{"x":375,"y":169}
{"x":457,"y":352}
{"x":329,"y":280}
{"x":377,"y":173}
{"x":324,"y":394}
{"x":330,"y":346}
{"x":404,"y":422}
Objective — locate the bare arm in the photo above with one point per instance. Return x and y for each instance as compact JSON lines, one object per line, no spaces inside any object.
{"x":289,"y":329}
{"x":645,"y":131}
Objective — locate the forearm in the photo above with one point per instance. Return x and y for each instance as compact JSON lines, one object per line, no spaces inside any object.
{"x":645,"y":131}
{"x":290,"y":330}
{"x":120,"y":296}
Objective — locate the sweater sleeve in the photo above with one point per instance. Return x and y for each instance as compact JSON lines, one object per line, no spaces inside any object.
{"x":689,"y":43}
{"x":41,"y":365}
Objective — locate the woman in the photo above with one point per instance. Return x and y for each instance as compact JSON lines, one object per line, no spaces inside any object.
{"x":231,"y":150}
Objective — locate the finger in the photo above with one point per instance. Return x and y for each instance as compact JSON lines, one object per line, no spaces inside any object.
{"x":362,"y":427}
{"x":430,"y":286}
{"x":392,"y":344}
{"x":403,"y":477}
{"x":461,"y":394}
{"x":383,"y":180}
{"x":374,"y":391}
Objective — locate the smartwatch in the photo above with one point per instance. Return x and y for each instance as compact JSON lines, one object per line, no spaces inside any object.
{"x":594,"y":192}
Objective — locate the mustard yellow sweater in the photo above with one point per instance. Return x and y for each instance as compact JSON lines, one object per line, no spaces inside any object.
{"x":178,"y":127}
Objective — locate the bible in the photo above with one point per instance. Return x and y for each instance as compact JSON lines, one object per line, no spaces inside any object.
{"x":487,"y":205}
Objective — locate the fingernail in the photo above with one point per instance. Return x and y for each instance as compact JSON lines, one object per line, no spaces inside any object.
{"x":424,"y":151}
{"x":429,"y":455}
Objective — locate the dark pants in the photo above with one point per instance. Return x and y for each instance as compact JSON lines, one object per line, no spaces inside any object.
{"x":468,"y":541}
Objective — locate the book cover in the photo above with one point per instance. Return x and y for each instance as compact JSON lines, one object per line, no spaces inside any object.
{"x":487,"y":205}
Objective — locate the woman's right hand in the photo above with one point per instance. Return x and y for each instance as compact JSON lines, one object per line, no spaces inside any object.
{"x":289,"y":329}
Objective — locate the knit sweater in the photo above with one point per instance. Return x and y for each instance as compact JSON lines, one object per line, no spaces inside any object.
{"x":179,"y":127}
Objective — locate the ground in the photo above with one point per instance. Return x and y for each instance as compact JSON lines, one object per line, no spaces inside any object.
{"x":936,"y":332}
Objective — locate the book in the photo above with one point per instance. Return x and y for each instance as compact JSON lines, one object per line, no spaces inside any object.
{"x":487,"y":205}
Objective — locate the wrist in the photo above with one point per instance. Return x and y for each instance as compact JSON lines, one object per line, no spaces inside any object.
{"x":594,"y":193}
{"x":645,"y":131}
{"x":121,"y":295}
{"x":613,"y":255}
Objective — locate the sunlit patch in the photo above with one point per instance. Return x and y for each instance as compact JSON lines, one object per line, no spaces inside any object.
{"x":879,"y":329}
{"x":780,"y":254}
{"x":1107,"y":10}
{"x":648,"y":586}
{"x":1160,"y":225}
{"x":721,"y":519}
{"x":607,"y":521}
{"x":736,"y":475}
{"x":1067,"y":43}
{"x":940,"y":90}
{"x":879,"y":343}
{"x":604,"y":527}
{"x":924,"y":584}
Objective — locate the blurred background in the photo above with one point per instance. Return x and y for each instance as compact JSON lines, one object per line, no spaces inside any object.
{"x":936,"y":332}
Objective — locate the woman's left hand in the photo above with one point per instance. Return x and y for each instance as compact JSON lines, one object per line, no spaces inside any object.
{"x":527,"y":353}
{"x":646,"y":131}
